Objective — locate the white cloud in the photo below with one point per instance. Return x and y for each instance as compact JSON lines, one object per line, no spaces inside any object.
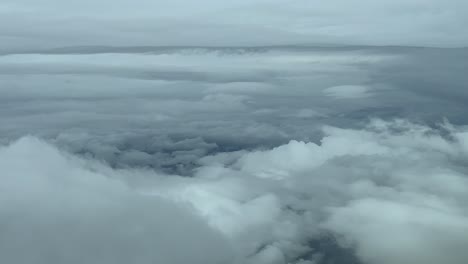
{"x":394,"y":192}
{"x":378,"y":190}
{"x":60,"y":209}
{"x":390,"y":232}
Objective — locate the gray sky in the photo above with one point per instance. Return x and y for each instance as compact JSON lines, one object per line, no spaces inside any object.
{"x":54,"y":23}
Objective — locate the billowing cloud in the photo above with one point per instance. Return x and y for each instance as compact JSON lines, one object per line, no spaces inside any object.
{"x":60,"y":209}
{"x":392,"y":192}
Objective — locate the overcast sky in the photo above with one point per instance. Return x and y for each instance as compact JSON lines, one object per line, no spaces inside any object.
{"x":248,"y":132}
{"x":54,"y":23}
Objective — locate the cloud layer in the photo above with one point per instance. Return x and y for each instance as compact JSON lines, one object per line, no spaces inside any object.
{"x":115,"y":149}
{"x":52,"y":23}
{"x":391,"y":192}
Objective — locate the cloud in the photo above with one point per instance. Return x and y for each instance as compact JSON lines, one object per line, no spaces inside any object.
{"x":378,"y":190}
{"x":309,"y":113}
{"x":53,"y":23}
{"x":232,"y":155}
{"x":347,"y":91}
{"x":178,"y":94}
{"x":390,"y":232}
{"x":60,"y":209}
{"x":398,"y":212}
{"x":392,"y":192}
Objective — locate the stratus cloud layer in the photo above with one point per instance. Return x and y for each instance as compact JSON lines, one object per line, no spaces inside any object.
{"x":392,"y":192}
{"x":188,"y":102}
{"x":26,"y":24}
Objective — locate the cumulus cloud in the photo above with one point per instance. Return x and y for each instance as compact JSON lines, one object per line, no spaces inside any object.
{"x":395,"y":232}
{"x":57,"y":208}
{"x":392,"y":192}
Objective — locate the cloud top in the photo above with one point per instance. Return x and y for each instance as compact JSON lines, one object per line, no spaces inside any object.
{"x":391,"y":193}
